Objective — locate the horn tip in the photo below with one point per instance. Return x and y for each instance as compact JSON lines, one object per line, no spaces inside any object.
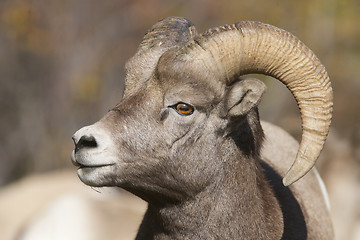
{"x":287,"y":182}
{"x":295,"y":174}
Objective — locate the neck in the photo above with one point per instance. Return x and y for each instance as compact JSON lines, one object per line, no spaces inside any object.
{"x":239,"y":203}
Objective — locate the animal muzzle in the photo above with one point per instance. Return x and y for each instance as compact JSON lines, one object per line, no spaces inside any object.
{"x":93,"y":147}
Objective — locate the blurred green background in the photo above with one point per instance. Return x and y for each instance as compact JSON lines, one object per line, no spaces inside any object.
{"x":62,"y":67}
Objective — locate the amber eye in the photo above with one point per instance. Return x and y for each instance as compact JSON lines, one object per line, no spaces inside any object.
{"x":184,"y":109}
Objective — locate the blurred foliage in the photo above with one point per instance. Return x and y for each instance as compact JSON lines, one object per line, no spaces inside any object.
{"x":61,"y":65}
{"x":23,"y":24}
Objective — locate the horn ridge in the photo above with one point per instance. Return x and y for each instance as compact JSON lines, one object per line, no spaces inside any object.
{"x":167,"y":33}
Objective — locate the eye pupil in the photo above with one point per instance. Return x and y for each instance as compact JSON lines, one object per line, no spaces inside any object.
{"x":184,"y":109}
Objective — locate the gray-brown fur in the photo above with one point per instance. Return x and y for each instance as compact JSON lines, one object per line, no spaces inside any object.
{"x":212,"y":174}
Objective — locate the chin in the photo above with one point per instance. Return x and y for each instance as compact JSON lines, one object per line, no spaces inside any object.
{"x":97,"y":176}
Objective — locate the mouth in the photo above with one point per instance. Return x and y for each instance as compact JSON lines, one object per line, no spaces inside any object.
{"x":81,"y":165}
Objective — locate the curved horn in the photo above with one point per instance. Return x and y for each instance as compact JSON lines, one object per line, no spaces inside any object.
{"x":254,"y":47}
{"x":165,"y":34}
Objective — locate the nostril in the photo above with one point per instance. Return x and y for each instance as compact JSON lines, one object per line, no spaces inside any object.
{"x":85,"y":141}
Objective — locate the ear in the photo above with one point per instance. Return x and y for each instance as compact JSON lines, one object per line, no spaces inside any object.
{"x":243,"y":96}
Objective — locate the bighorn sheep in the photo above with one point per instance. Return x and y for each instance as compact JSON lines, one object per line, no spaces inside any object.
{"x":187,"y":138}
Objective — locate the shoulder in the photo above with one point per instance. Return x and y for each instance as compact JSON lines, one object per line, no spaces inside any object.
{"x":309,"y":193}
{"x":279,"y":147}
